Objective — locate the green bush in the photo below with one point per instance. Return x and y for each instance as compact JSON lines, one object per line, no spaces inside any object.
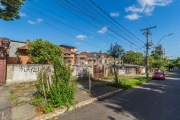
{"x":13,"y":97}
{"x":11,"y":92}
{"x":127,"y":82}
{"x":39,"y":101}
{"x":48,"y":108}
{"x":61,"y":92}
{"x":143,"y":73}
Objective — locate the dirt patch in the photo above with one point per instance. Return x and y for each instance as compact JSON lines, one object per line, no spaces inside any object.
{"x":21,"y":93}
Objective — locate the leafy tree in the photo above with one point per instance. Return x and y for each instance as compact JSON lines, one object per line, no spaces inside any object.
{"x":62,"y":90}
{"x":159,"y":64}
{"x":177,"y":62}
{"x":151,"y":61}
{"x":156,"y":54}
{"x":42,"y":52}
{"x":115,"y":51}
{"x":134,"y":58}
{"x":9,"y":9}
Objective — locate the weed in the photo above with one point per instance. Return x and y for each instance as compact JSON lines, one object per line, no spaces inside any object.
{"x":13,"y":97}
{"x":21,"y":102}
{"x":11,"y":92}
{"x":127,"y":82}
{"x":48,"y":108}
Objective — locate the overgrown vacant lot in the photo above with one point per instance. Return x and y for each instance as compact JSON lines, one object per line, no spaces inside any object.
{"x":127,"y":82}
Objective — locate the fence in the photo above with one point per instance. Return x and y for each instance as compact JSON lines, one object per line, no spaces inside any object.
{"x":18,"y":73}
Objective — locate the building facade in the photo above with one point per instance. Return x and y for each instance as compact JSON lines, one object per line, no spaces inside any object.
{"x":69,"y":53}
{"x":161,"y":48}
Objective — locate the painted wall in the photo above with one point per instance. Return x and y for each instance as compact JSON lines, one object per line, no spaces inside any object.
{"x":81,"y":71}
{"x":23,"y":73}
{"x":18,"y":73}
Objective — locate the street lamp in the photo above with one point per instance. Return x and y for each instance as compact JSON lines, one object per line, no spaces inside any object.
{"x":163,"y":37}
{"x":160,"y":41}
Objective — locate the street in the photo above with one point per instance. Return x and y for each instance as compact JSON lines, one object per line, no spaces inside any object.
{"x":155,"y":100}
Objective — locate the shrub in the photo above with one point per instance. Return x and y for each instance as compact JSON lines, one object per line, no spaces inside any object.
{"x":127,"y":82}
{"x":62,"y":90}
{"x":48,"y":108}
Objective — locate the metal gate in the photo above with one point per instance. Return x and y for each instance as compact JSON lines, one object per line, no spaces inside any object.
{"x":2,"y":65}
{"x":98,"y":71}
{"x":4,"y":51}
{"x":2,"y":71}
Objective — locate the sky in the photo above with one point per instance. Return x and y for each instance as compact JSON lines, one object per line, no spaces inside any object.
{"x":93,"y":25}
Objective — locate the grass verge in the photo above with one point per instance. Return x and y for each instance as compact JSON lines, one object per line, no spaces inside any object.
{"x":128,"y":82}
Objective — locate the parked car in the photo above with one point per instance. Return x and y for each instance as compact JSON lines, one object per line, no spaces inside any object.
{"x":158,"y":75}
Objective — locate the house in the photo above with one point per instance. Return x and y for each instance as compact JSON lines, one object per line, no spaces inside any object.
{"x":18,"y":53}
{"x":13,"y":45}
{"x":23,"y":55}
{"x":69,"y":53}
{"x":103,"y":58}
{"x":84,"y":58}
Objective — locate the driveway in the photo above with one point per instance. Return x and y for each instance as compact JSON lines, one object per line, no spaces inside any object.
{"x":155,"y":100}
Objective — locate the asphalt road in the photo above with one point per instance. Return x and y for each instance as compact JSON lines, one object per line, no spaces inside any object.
{"x":156,"y":100}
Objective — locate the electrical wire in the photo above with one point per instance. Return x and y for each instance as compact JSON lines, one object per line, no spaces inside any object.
{"x":89,"y":22}
{"x":61,"y":30}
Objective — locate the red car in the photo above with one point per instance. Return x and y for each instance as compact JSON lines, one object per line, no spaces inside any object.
{"x":158,"y":75}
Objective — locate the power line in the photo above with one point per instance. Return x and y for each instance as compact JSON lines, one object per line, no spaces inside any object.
{"x":88,"y":22}
{"x":114,"y":20}
{"x":97,"y":12}
{"x":66,"y":24}
{"x":60,"y":30}
{"x":95,"y":20}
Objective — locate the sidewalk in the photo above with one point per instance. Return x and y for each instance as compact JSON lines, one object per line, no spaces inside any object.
{"x":99,"y":90}
{"x":25,"y":111}
{"x":5,"y":105}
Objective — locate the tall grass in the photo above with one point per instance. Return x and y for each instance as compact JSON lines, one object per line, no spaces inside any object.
{"x":128,"y":82}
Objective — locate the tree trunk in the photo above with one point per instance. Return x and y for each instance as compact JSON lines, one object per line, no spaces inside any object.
{"x":115,"y":74}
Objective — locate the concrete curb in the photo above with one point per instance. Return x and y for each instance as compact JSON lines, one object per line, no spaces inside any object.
{"x":83,"y":103}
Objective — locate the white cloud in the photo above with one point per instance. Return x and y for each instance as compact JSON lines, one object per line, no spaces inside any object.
{"x":147,"y":6}
{"x":114,"y":14}
{"x":133,"y":16}
{"x":39,"y":20}
{"x":31,"y":22}
{"x":22,"y":14}
{"x":78,"y":43}
{"x":81,"y":37}
{"x":103,"y":30}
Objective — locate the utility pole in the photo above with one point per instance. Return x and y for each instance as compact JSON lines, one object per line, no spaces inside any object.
{"x":147,"y":33}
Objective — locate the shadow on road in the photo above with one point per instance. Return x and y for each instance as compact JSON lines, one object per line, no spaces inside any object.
{"x":156,"y":100}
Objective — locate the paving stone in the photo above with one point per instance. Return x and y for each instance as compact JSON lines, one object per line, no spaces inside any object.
{"x":7,"y":114}
{"x":5,"y":108}
{"x":0,"y":115}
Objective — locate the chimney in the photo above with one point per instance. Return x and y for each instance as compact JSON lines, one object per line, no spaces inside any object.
{"x":27,"y":42}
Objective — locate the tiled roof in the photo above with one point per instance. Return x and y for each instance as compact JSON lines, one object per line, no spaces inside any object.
{"x":86,"y":54}
{"x":66,"y":46}
{"x":23,"y":47}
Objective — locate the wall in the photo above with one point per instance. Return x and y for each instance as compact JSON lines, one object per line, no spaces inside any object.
{"x":17,"y":73}
{"x":81,"y":71}
{"x":22,"y":73}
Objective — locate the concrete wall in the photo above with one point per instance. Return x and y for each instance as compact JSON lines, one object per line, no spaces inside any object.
{"x":22,"y":73}
{"x":81,"y":70}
